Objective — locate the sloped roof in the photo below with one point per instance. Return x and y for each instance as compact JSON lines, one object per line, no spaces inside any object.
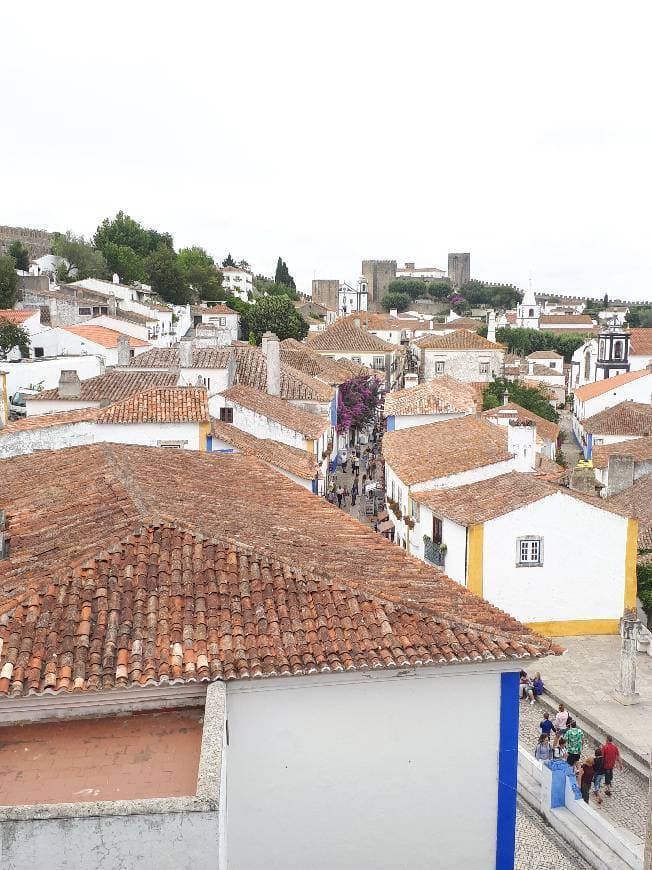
{"x":344,"y":336}
{"x":552,"y":319}
{"x":97,"y":593}
{"x":159,"y":405}
{"x":292,"y":459}
{"x":332,"y":371}
{"x":280,"y":410}
{"x":112,"y":386}
{"x":212,"y":310}
{"x":637,"y":499}
{"x":103,"y":335}
{"x":444,"y":395}
{"x":608,"y":385}
{"x":625,"y":418}
{"x":640,"y":450}
{"x":440,"y":449}
{"x":640,"y":341}
{"x":548,"y":430}
{"x":48,"y":421}
{"x":461,"y":339}
{"x":544,"y":354}
{"x":16,"y":317}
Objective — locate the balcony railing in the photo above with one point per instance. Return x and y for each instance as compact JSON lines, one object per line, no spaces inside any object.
{"x":432,"y":552}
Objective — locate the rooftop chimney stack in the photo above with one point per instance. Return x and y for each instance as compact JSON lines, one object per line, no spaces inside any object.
{"x":185,"y":354}
{"x":356,"y":322}
{"x":112,"y":305}
{"x":411,"y":380}
{"x":521,"y":442}
{"x":272,"y":351}
{"x":506,"y":398}
{"x":123,"y":350}
{"x":69,"y":384}
{"x":491,"y":326}
{"x":116,"y":278}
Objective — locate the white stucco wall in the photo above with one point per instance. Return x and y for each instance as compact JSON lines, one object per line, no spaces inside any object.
{"x":51,"y":438}
{"x":215,"y":380}
{"x":263,"y":427}
{"x":149,"y":434}
{"x":462,"y":364}
{"x":60,"y":342}
{"x":35,"y":407}
{"x":453,"y":535}
{"x":407,"y":421}
{"x":470,"y":476}
{"x":381,"y":771}
{"x":46,"y":372}
{"x":575,"y":582}
{"x":639,"y":390}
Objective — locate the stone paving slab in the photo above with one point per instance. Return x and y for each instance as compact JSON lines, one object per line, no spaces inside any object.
{"x":539,"y":847}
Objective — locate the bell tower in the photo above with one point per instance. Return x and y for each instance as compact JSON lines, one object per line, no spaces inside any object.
{"x":613,"y":352}
{"x":528,"y":311}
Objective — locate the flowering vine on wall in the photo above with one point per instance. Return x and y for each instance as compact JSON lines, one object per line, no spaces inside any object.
{"x":357,"y":402}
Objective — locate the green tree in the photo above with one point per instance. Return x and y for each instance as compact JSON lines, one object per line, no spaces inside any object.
{"x":439,"y":289}
{"x":531,"y":397}
{"x":12,"y":335}
{"x":400,"y":301}
{"x":154,"y":239}
{"x":283,"y":276}
{"x":122,"y":231}
{"x":201,"y":273}
{"x":500,"y":296}
{"x":82,"y":260}
{"x":167,"y":278}
{"x":8,"y":282}
{"x":126,"y":263}
{"x":229,"y":261}
{"x":526,"y":341}
{"x":265,"y":286}
{"x":644,"y":581}
{"x":19,"y":252}
{"x":276,"y":314}
{"x":414,"y":288}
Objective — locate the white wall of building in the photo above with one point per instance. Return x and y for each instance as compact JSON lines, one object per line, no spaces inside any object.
{"x":465,"y":365}
{"x":124,"y":326}
{"x":36,"y":407}
{"x":453,"y":535}
{"x":239,"y":282}
{"x":215,"y":380}
{"x":263,"y":427}
{"x":586,"y":582}
{"x":223,"y":321}
{"x":407,"y":421}
{"x":472,"y":475}
{"x":639,"y":390}
{"x":151,"y":434}
{"x":46,"y":372}
{"x":50,"y":438}
{"x":377,"y":771}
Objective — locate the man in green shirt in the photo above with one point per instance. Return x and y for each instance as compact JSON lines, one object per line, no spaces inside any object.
{"x":574,"y":737}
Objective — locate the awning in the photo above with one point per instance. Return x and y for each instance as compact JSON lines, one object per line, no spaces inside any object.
{"x":385,"y":526}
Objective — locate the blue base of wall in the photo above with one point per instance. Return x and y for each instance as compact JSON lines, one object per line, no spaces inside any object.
{"x":507,"y":771}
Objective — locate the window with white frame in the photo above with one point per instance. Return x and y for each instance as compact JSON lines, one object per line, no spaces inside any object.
{"x":484,"y":368}
{"x":379,"y":362}
{"x":529,"y":551}
{"x":355,"y":359}
{"x":414,"y":510}
{"x":439,"y":367}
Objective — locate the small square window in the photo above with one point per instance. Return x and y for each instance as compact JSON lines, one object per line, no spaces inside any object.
{"x":39,"y":352}
{"x":439,"y":368}
{"x":484,"y":368}
{"x":529,"y":552}
{"x":226,"y":415}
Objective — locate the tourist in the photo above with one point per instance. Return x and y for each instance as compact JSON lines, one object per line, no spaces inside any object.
{"x":546,"y":726}
{"x":339,"y":492}
{"x":543,"y":751}
{"x":535,"y":688}
{"x":586,"y":774}
{"x":559,"y":751}
{"x":574,"y":739}
{"x":561,"y":722}
{"x":598,"y":774}
{"x":611,"y":755}
{"x":345,"y":500}
{"x":354,"y":492}
{"x":523,"y":684}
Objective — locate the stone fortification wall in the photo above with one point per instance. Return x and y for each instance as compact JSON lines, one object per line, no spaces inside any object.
{"x":37,"y":242}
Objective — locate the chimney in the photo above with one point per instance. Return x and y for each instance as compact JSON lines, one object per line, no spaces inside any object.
{"x":620,"y":474}
{"x":393,"y":312}
{"x":582,"y":479}
{"x":411,"y":380}
{"x":521,"y":442}
{"x":185,"y":354}
{"x":506,"y":398}
{"x":123,"y":350}
{"x":116,"y":278}
{"x":356,"y":322}
{"x":69,"y":385}
{"x":112,"y":305}
{"x":491,"y":326}
{"x":272,"y":351}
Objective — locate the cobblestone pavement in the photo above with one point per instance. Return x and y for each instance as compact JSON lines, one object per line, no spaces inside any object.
{"x":627,"y":807}
{"x":570,"y":447}
{"x":539,"y":847}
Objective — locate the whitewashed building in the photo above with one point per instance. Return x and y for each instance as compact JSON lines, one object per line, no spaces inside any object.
{"x":462,"y":354}
{"x":443,"y":398}
{"x":220,"y":316}
{"x":547,"y":432}
{"x":592,"y":398}
{"x":622,"y":422}
{"x":239,"y":282}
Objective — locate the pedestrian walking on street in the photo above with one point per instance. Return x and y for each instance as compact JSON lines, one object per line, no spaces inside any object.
{"x":354,"y":492}
{"x":345,"y":499}
{"x":546,"y":727}
{"x":339,"y":492}
{"x":574,"y":739}
{"x":559,"y":751}
{"x":586,"y":778}
{"x":543,"y":751}
{"x":611,"y":755}
{"x":561,"y":722}
{"x":598,"y":774}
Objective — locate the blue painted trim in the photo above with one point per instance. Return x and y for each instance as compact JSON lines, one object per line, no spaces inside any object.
{"x":209,"y":443}
{"x":507,"y":771}
{"x":334,"y":410}
{"x":589,"y":446}
{"x":391,"y":423}
{"x":314,"y":485}
{"x":561,"y":772}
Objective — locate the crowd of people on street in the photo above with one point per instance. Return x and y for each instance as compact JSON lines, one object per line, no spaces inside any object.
{"x":365,"y":464}
{"x":562,"y":739}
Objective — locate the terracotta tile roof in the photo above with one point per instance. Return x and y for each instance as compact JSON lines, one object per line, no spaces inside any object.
{"x":344,"y":336}
{"x":573,"y":330}
{"x":48,"y":421}
{"x":16,"y":317}
{"x":292,"y":459}
{"x":460,"y":323}
{"x":159,"y":405}
{"x":544,"y":354}
{"x":168,"y":358}
{"x":608,"y":385}
{"x":131,"y":317}
{"x":103,"y":335}
{"x":212,"y":310}
{"x":280,"y":410}
{"x":332,"y":371}
{"x":579,"y":319}
{"x":96,"y":592}
{"x":444,"y":395}
{"x":548,"y":430}
{"x":640,"y":341}
{"x":545,"y":371}
{"x":381,"y":321}
{"x":461,"y":339}
{"x":637,"y":500}
{"x":625,"y":418}
{"x":251,"y":371}
{"x":640,"y":449}
{"x":448,"y":447}
{"x":113,"y":386}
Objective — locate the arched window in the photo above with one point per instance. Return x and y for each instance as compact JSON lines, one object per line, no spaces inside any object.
{"x":618,"y":350}
{"x":587,"y":366}
{"x":531,"y":312}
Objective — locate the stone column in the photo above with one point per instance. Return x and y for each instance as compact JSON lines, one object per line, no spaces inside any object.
{"x":626,"y":690}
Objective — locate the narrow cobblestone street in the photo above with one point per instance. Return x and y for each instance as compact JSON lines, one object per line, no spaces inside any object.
{"x":539,"y":847}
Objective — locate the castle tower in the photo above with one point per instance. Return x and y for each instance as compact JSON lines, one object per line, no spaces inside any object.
{"x":459,"y":269}
{"x":378,"y":274}
{"x":613,"y":352}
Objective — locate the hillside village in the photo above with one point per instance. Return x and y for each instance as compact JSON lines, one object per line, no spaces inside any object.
{"x":234,"y":513}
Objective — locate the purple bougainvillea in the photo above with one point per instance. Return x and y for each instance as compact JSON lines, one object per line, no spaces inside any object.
{"x":357,"y":401}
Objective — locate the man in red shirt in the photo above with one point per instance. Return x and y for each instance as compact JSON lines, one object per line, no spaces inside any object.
{"x":611,"y":755}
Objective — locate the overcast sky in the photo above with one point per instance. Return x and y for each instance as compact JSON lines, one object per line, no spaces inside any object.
{"x":331,"y":133}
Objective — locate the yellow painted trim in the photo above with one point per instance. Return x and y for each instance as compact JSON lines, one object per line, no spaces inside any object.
{"x":631,"y":552}
{"x":204,"y":432}
{"x":310,"y":447}
{"x":409,"y":513}
{"x":568,"y":627}
{"x":475,"y":569}
{"x":4,"y":410}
